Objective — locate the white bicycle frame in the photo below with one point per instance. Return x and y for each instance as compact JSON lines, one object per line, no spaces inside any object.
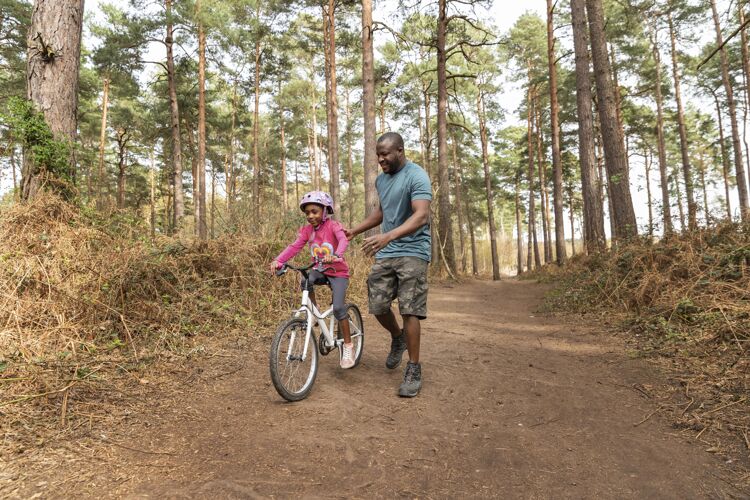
{"x":310,"y":312}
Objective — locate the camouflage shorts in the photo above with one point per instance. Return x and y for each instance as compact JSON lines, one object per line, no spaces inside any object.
{"x":402,"y":277}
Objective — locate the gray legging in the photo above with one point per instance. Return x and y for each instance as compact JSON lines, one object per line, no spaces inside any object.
{"x":338,"y":287}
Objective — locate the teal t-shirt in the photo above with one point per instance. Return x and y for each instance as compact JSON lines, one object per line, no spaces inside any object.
{"x":396,"y":192}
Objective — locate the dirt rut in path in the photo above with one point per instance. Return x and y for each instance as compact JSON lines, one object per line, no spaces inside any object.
{"x":514,"y":405}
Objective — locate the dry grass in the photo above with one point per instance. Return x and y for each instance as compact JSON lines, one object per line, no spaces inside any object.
{"x":93,"y":313}
{"x":685,"y":302}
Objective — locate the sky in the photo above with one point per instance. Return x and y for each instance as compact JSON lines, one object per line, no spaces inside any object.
{"x":503,"y":14}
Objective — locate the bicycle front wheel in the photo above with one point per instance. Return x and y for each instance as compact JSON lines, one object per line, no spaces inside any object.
{"x":357,"y":329}
{"x":293,"y":368}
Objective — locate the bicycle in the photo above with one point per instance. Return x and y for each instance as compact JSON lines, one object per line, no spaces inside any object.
{"x":293,"y":364}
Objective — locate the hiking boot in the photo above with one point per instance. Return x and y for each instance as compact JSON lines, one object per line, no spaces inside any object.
{"x":412,"y":380}
{"x":398,"y":346}
{"x":347,"y":356}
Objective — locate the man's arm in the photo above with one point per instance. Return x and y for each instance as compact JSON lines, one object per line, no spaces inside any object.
{"x":419,"y":217}
{"x":372,"y":220}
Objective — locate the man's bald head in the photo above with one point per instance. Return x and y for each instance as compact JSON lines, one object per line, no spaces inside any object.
{"x":393,"y":138}
{"x":390,"y":152}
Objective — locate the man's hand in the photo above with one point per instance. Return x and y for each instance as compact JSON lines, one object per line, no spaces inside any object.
{"x":374,"y":244}
{"x":349,"y":234}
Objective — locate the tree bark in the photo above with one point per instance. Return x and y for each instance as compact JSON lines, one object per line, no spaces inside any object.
{"x":174,"y":113}
{"x":742,"y":187}
{"x":724,"y":158}
{"x":647,"y":165}
{"x":329,"y":28}
{"x":560,"y":253}
{"x":53,"y":57}
{"x":533,"y":247}
{"x":256,"y":116}
{"x":592,"y":207}
{"x":746,"y":78}
{"x":684,"y":148}
{"x":614,"y":148}
{"x":122,"y":141}
{"x":519,"y":234}
{"x":349,"y":165}
{"x":459,"y":202}
{"x":487,"y":187}
{"x":201,"y":202}
{"x":543,"y":192}
{"x":661,"y":148}
{"x":369,"y":163}
{"x":100,"y":179}
{"x":152,"y":193}
{"x":444,"y":208}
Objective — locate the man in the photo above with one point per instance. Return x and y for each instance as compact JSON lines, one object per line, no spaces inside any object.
{"x":402,"y":252}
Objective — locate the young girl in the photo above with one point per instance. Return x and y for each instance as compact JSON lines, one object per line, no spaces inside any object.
{"x":327,"y":242}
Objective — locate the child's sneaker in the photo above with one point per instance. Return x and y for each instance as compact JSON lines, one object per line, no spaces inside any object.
{"x":347,"y":356}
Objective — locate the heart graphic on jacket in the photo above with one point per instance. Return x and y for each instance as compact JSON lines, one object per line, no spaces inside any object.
{"x":321,"y":251}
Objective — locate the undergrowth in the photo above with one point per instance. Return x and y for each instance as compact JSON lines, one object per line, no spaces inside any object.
{"x":88,"y":306}
{"x":685,"y":302}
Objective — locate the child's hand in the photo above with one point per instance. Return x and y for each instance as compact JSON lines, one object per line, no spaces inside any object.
{"x":275,"y":265}
{"x":330,"y":258}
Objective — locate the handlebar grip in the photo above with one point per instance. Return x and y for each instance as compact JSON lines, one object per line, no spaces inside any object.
{"x":281,"y":271}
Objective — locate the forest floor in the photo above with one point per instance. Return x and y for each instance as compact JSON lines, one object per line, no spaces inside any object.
{"x":515,"y":404}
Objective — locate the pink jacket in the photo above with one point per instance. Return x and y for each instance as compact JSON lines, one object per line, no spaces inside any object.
{"x":327,"y":239}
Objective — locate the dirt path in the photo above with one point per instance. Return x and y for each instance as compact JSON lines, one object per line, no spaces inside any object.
{"x":514,"y":405}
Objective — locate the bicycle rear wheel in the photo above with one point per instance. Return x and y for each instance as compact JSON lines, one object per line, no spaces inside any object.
{"x":293,"y":369}
{"x":357,"y":329}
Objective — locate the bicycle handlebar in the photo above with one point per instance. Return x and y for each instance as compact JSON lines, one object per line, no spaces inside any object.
{"x":317,"y":264}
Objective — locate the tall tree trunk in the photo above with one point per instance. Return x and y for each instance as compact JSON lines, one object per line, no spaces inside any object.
{"x":213,"y":203}
{"x":519,"y":234}
{"x":678,"y":192}
{"x":201,"y":202}
{"x":572,"y":223}
{"x":122,"y":141}
{"x":230,"y":173}
{"x":256,"y":117}
{"x":614,"y":148}
{"x":543,"y":192}
{"x":684,"y":148}
{"x":459,"y":202}
{"x":560,"y":254}
{"x":647,"y":165}
{"x":533,"y":247}
{"x":428,"y":132}
{"x":746,"y":78}
{"x":487,"y":187}
{"x":473,"y":238}
{"x":53,"y":56}
{"x":661,"y":148}
{"x":284,"y":193}
{"x":100,"y":179}
{"x":152,"y":193}
{"x":724,"y":165}
{"x":370,"y":162}
{"x":174,"y":113}
{"x":592,"y":206}
{"x":13,"y":171}
{"x":444,"y":208}
{"x":702,"y":173}
{"x":349,"y":165}
{"x":742,"y":187}
{"x":332,"y":104}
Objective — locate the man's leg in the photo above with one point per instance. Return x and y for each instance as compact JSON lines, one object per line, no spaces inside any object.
{"x":398,"y":342}
{"x":388,"y":321}
{"x":413,"y":330}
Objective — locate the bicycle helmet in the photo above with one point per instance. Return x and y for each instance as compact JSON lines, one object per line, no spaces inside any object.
{"x":319,"y":197}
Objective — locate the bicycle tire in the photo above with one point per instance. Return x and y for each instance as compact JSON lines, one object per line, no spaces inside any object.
{"x":284,"y":371}
{"x":355,"y":324}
